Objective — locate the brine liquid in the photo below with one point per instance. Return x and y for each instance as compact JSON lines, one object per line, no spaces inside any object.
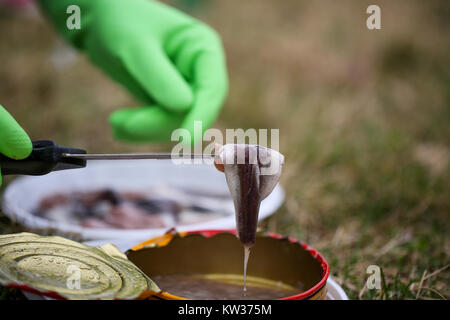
{"x":246,"y":256}
{"x":222,"y":287}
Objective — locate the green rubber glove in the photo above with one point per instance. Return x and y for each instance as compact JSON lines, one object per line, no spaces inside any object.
{"x":14,"y":142}
{"x":168,"y":60}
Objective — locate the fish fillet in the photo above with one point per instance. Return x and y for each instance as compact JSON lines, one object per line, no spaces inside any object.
{"x":252,"y":172}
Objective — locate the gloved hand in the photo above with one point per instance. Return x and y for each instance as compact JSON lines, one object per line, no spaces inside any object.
{"x":14,"y":142}
{"x":171,"y":62}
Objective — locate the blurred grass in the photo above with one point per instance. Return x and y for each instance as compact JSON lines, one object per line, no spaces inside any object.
{"x":363,"y":118}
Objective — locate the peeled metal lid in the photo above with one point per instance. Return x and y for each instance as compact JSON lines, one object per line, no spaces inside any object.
{"x":63,"y":268}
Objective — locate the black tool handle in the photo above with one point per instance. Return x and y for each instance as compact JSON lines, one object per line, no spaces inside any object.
{"x":46,"y":157}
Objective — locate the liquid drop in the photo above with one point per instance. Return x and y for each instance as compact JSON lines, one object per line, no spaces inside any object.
{"x":246,"y":256}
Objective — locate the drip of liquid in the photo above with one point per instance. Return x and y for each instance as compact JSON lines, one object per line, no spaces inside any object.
{"x":246,"y":255}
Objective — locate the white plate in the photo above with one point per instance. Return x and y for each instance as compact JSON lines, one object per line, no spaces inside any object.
{"x":24,"y":194}
{"x":335,"y":291}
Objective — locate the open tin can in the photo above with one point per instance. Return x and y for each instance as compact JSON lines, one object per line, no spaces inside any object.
{"x":219,"y":254}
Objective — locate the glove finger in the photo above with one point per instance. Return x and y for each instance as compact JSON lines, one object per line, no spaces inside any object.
{"x":210,"y":88}
{"x":150,"y":66}
{"x":149,"y":123}
{"x":14,"y":142}
{"x":198,"y":53}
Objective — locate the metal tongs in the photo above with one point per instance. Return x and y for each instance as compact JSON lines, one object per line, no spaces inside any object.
{"x":47,"y":156}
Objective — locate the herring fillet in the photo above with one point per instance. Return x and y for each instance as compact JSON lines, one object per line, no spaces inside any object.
{"x":249,"y":183}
